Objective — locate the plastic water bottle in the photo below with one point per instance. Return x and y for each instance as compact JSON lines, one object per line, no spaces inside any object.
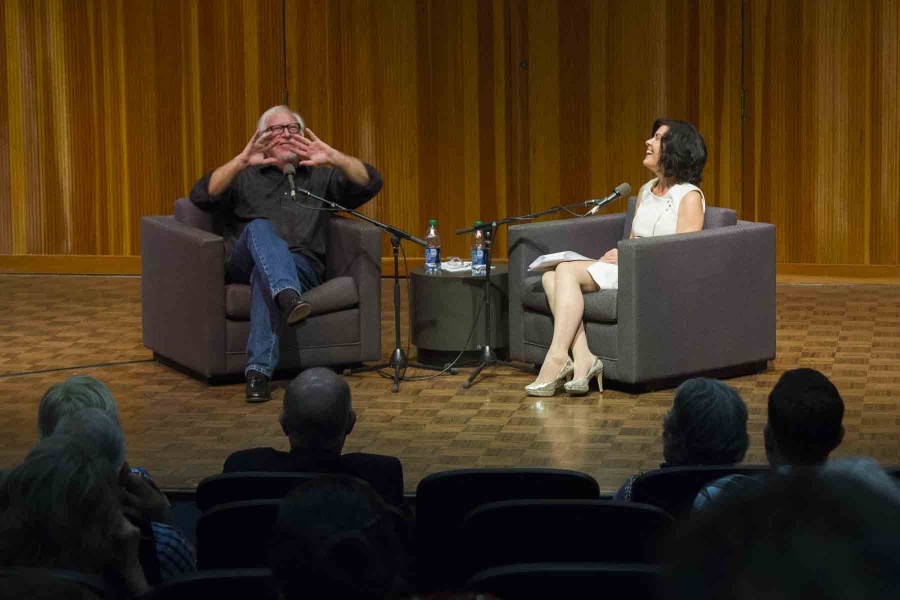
{"x":478,"y":257}
{"x":432,"y":249}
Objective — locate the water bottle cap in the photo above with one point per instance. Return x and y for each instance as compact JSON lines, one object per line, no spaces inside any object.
{"x":477,"y":223}
{"x":432,"y":221}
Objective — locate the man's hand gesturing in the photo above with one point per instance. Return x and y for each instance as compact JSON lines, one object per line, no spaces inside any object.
{"x":255,"y":151}
{"x":313,"y":152}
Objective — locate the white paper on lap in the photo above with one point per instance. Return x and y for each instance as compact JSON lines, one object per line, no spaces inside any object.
{"x":545,"y":262}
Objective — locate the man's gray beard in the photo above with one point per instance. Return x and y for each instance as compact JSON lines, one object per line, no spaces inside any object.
{"x":286,"y":157}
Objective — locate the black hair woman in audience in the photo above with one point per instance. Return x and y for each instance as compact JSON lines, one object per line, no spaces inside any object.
{"x":669,"y":203}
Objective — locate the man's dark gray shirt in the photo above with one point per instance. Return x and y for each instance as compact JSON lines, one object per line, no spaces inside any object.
{"x":263,"y":192}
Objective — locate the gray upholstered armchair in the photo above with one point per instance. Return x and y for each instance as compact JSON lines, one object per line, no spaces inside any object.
{"x":193,"y":319}
{"x":692,"y":303}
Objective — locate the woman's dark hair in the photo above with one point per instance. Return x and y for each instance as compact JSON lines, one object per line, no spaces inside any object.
{"x":335,"y":537}
{"x":682,"y":152}
{"x":60,"y":508}
{"x":707,"y":425}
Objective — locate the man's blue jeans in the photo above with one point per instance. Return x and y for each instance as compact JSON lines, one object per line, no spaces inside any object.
{"x":263,"y":260}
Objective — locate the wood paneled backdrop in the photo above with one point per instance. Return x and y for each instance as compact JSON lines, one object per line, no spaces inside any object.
{"x":471,"y":109}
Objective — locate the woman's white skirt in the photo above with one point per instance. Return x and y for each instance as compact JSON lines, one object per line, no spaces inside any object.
{"x":605,"y":274}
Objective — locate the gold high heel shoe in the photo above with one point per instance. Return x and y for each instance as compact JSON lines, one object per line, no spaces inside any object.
{"x":549,"y":388}
{"x":580,"y":387}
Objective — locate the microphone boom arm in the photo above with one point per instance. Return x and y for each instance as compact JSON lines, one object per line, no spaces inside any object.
{"x":398,"y":233}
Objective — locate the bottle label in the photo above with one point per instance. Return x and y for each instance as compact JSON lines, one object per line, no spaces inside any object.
{"x":477,"y":257}
{"x":433,"y":256}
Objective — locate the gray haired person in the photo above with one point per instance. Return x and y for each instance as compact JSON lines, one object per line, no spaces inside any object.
{"x":707,"y":425}
{"x":61,"y":509}
{"x":70,"y":396}
{"x":275,"y":242}
{"x":82,"y":407}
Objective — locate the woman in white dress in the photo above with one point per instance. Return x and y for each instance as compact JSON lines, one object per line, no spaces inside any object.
{"x":669,"y":203}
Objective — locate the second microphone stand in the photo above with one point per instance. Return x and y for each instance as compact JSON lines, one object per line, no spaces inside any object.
{"x":488,"y":357}
{"x":398,"y":360}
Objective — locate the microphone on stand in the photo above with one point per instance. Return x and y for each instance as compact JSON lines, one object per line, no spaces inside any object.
{"x":289,"y":170}
{"x":622,"y":190}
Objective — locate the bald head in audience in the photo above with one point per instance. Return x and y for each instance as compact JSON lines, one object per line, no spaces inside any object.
{"x":317,"y":413}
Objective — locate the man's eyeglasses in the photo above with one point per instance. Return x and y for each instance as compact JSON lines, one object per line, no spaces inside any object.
{"x":292,"y":128}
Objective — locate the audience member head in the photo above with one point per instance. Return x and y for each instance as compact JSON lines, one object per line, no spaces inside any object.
{"x":335,"y":537}
{"x":682,"y":151}
{"x":60,"y":508}
{"x":810,"y":534}
{"x":707,"y":425}
{"x":70,"y":396}
{"x":95,"y":427}
{"x":805,"y":419}
{"x":317,"y":414}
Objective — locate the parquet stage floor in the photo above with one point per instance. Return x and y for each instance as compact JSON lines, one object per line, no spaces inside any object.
{"x":181,"y":430}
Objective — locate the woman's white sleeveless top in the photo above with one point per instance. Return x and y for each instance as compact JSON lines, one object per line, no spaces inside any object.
{"x":656,"y":215}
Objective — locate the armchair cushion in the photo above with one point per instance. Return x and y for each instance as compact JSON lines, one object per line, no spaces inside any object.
{"x":333,"y":295}
{"x":599,"y":307}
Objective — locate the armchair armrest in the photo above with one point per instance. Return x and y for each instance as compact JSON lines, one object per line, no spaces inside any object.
{"x":591,"y":237}
{"x":183,"y":294}
{"x":711,"y":292}
{"x":354,"y":250}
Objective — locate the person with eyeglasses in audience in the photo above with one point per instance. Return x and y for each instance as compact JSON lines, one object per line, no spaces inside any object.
{"x":275,"y":241}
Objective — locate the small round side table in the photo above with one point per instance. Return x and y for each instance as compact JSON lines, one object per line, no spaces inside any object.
{"x":443,"y":307}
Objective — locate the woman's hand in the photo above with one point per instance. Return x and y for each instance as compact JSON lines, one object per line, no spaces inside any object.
{"x":611,"y":257}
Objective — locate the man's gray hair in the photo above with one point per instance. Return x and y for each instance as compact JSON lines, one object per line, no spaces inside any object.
{"x":261,"y":125}
{"x":72,"y":395}
{"x":96,"y":428}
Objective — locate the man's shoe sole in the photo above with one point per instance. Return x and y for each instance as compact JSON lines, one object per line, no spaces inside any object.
{"x":299,"y":312}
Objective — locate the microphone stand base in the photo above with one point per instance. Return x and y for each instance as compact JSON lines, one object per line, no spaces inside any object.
{"x":398,"y":363}
{"x":489,"y":359}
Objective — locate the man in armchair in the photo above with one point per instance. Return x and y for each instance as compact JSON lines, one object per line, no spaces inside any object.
{"x":273,"y":240}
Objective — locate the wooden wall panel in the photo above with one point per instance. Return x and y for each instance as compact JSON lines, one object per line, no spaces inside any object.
{"x":601,"y":72}
{"x":415,"y":88}
{"x":883,"y":219}
{"x":471,"y":109}
{"x":489,"y":109}
{"x":821,"y":128}
{"x":113,"y":108}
